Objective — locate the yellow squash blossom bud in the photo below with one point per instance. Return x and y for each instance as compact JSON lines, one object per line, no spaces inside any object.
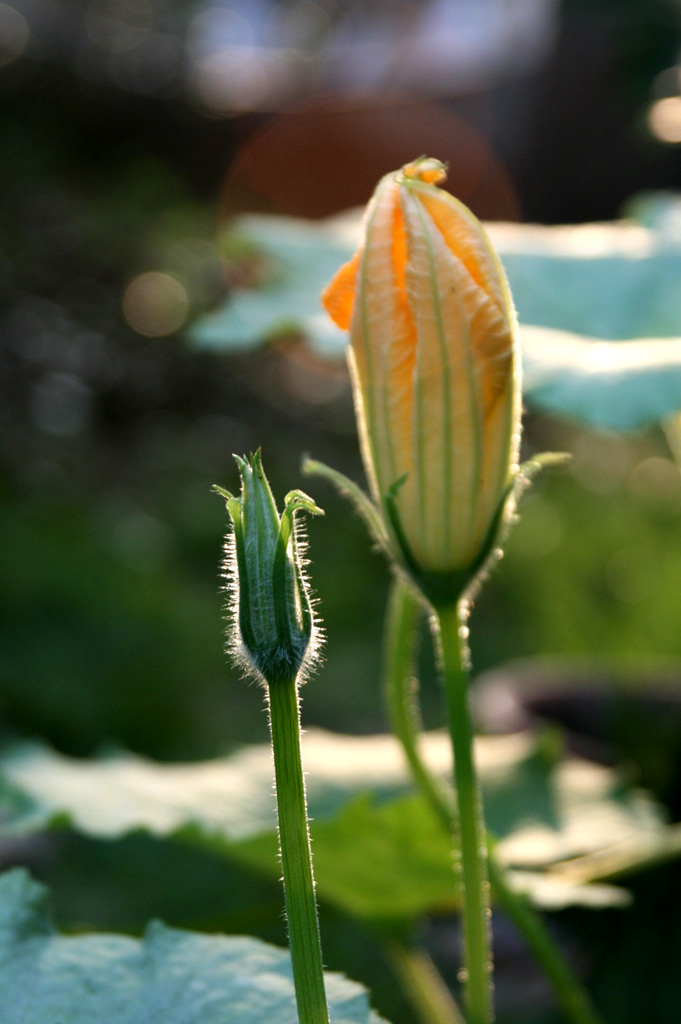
{"x":436,"y":374}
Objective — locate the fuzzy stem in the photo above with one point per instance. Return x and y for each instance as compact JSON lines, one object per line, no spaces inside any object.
{"x":296,"y":854}
{"x":402,"y":622}
{"x":473,"y":844}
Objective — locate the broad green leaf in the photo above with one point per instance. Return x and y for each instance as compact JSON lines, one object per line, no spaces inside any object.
{"x":379,"y":853}
{"x":617,"y":385}
{"x":172,"y":976}
{"x":598,"y":305}
{"x":386,"y":862}
{"x":231,"y":796}
{"x":302,"y":257}
{"x":600,"y":317}
{"x":393,"y":863}
{"x":612,"y":280}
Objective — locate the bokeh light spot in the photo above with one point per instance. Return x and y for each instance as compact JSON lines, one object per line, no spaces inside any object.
{"x":664,"y":119}
{"x":14,"y":34}
{"x":118,"y":25}
{"x":61,"y":404}
{"x":155,"y":304}
{"x":326,"y":154}
{"x":232,"y":79}
{"x":656,"y":484}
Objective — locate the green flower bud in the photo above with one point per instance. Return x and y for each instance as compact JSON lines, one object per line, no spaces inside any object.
{"x":273,"y":629}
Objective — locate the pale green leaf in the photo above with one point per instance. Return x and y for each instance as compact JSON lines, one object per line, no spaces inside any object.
{"x":172,"y":976}
{"x":616,"y":385}
{"x":598,"y":305}
{"x":388,"y":862}
{"x":613,"y":280}
{"x":304,"y":256}
{"x":379,"y":853}
{"x":550,"y":891}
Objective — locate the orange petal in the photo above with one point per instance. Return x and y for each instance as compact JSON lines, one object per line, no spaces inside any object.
{"x":383,"y":339}
{"x":465,"y":357}
{"x":466,"y":238}
{"x":338,"y":297}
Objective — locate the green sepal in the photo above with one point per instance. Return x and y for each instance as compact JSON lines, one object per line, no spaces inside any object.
{"x":362,"y":502}
{"x":288,"y":582}
{"x":299,"y":499}
{"x":273,"y":622}
{"x":227,"y":495}
{"x":527,"y":471}
{"x":444,"y":589}
{"x":441,"y":589}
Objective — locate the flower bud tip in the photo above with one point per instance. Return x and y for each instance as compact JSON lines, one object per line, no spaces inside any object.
{"x":273,"y":632}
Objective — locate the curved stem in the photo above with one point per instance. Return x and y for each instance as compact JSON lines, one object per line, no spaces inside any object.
{"x":428,"y":993}
{"x":400,"y":690}
{"x":570,"y":995}
{"x":296,"y":854}
{"x":476,"y":912}
{"x":402,"y":623}
{"x":403,"y":617}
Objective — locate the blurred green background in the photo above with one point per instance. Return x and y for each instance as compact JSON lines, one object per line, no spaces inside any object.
{"x":128,"y":134}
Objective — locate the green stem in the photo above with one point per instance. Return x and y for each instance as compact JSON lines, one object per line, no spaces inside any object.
{"x":403,"y":618}
{"x":427,"y":992}
{"x":296,"y":855}
{"x":570,"y":995}
{"x":471,"y":828}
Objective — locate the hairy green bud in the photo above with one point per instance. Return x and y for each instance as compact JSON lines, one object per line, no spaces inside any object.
{"x":274,"y":633}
